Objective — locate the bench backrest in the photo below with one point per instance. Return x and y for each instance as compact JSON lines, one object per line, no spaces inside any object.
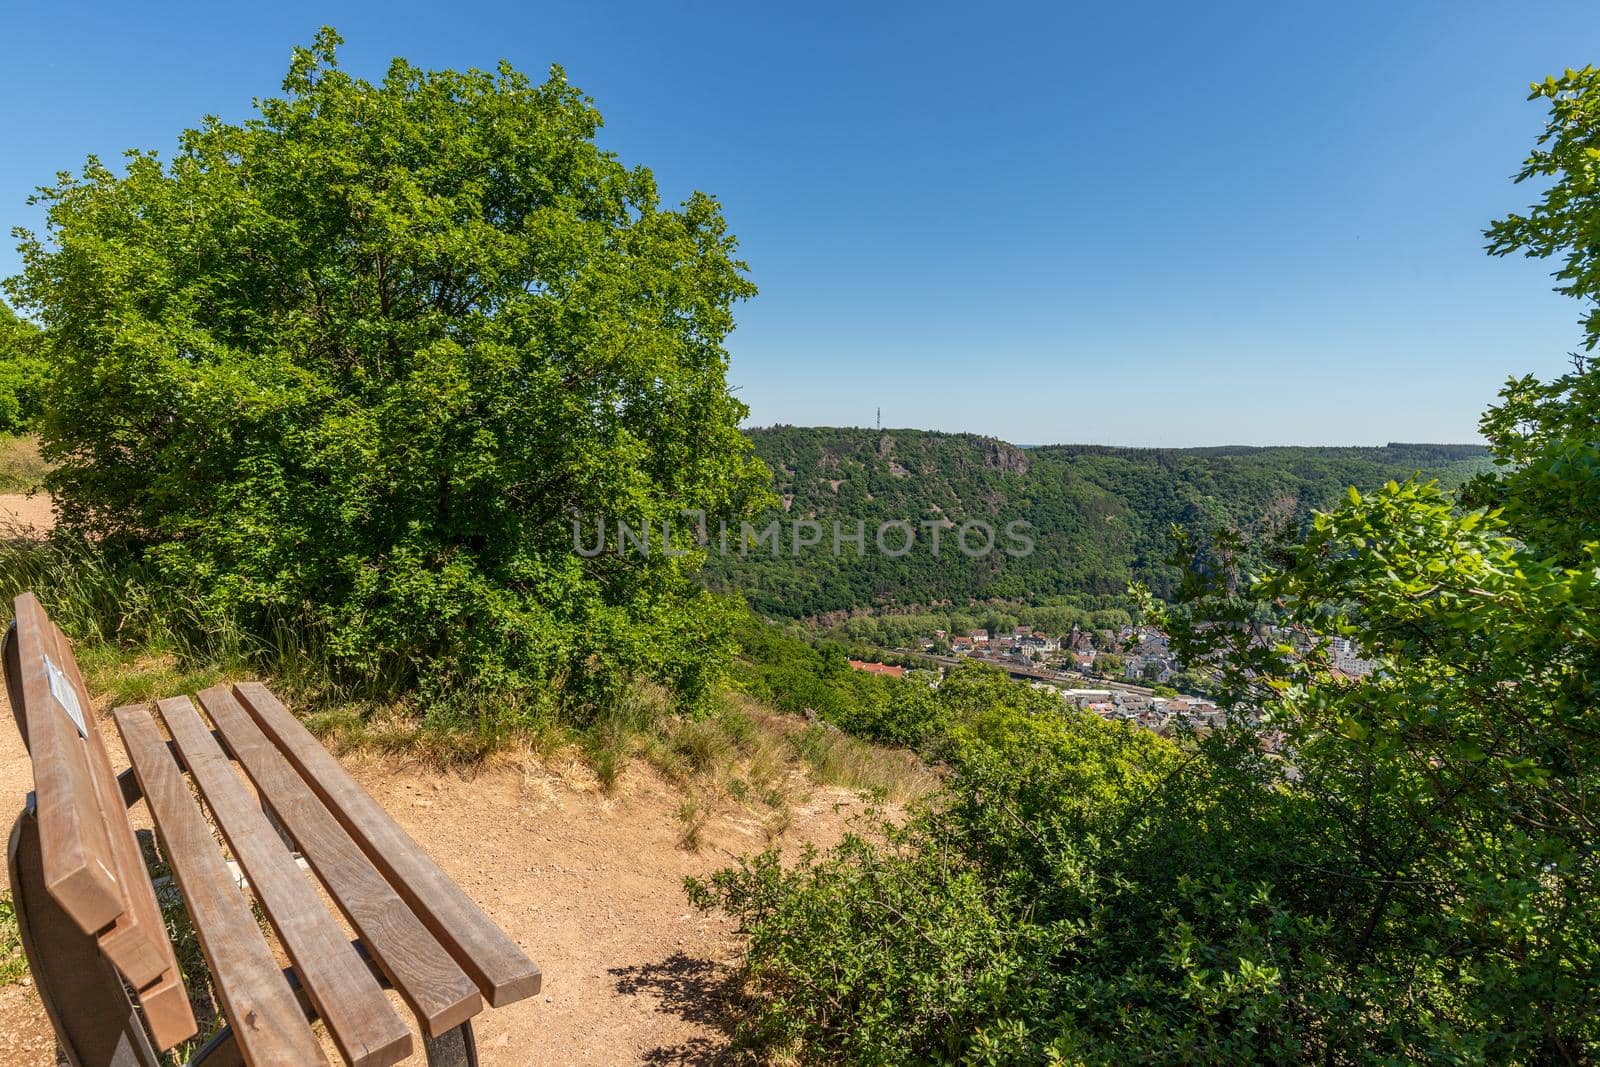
{"x":91,"y":862}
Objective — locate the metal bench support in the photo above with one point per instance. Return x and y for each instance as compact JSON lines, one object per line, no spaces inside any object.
{"x":453,"y":1048}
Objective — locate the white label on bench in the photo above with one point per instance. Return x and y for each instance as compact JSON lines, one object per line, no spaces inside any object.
{"x":62,"y":690}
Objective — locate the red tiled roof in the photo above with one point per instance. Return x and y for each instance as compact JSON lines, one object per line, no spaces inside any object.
{"x":877,"y":668}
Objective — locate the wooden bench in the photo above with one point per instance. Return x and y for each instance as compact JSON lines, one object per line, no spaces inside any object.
{"x":92,"y":927}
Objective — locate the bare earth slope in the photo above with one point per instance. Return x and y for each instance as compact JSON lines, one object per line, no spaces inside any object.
{"x":589,"y":885}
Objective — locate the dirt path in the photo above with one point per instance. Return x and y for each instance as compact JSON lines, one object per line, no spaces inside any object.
{"x":24,"y":515}
{"x":590,"y":886}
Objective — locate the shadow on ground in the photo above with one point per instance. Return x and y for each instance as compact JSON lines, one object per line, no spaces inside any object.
{"x":695,"y":990}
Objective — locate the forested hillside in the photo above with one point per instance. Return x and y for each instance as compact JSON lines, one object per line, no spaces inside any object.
{"x":1099,"y":515}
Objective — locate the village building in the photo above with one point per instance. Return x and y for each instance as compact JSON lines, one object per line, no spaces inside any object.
{"x":877,"y":668}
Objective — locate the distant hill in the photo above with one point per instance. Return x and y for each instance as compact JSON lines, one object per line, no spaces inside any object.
{"x":1099,"y":515}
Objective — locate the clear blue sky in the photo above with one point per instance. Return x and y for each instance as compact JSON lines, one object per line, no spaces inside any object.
{"x":1137,"y":223}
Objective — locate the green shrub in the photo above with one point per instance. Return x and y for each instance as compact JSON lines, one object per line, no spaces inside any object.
{"x":1023,"y":919}
{"x":13,"y":964}
{"x":354,"y":365}
{"x":929,"y":953}
{"x":802,"y":678}
{"x":23,"y":373}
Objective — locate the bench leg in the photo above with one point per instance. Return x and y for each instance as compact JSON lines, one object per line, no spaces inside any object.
{"x":453,"y":1048}
{"x":93,"y":1018}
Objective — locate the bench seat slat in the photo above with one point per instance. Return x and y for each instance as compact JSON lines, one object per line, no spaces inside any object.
{"x":266,"y":1016}
{"x":341,"y":987}
{"x":425,"y":974}
{"x":502,"y":971}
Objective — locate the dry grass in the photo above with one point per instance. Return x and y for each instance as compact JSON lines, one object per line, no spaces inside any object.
{"x":739,"y":754}
{"x":777,"y":825}
{"x":752,"y":752}
{"x":22,"y":469}
{"x":396,"y":730}
{"x":746,"y":755}
{"x":692,"y":818}
{"x":740,"y":751}
{"x":124,"y":677}
{"x":835,"y":758}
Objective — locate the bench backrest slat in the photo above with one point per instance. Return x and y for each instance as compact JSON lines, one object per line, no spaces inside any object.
{"x":92,"y":864}
{"x":136,"y":943}
{"x":79,"y":871}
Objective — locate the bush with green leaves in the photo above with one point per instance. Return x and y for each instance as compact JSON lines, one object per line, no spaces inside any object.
{"x":22,"y":373}
{"x":1056,"y":904}
{"x":356,"y":363}
{"x":815,"y":679}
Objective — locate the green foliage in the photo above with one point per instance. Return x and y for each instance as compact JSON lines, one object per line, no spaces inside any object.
{"x":928,"y":952}
{"x":1446,"y":794}
{"x":1562,"y":222}
{"x":1543,"y":432}
{"x":1110,"y":665}
{"x":351,"y":367}
{"x":23,"y":373}
{"x":793,"y":675}
{"x":1452,"y":791}
{"x":1026,"y":918}
{"x":1100,"y":516}
{"x":13,"y":963}
{"x":1050,"y":615}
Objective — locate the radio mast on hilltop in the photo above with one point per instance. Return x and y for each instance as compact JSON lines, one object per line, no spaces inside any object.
{"x":880,"y":418}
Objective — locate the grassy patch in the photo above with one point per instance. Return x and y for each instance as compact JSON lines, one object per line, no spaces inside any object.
{"x":22,"y":469}
{"x":744,"y":753}
{"x":398,"y":729}
{"x":692,"y":818}
{"x":836,"y":758}
{"x":13,"y":964}
{"x":140,"y":676}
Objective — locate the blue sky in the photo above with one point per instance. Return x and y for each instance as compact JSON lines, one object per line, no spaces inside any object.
{"x":1142,"y":223}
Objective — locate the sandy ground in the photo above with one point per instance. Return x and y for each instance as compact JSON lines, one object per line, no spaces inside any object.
{"x":589,"y":885}
{"x":24,"y":515}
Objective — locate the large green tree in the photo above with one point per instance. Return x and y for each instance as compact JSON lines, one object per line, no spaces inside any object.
{"x":355,"y":363}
